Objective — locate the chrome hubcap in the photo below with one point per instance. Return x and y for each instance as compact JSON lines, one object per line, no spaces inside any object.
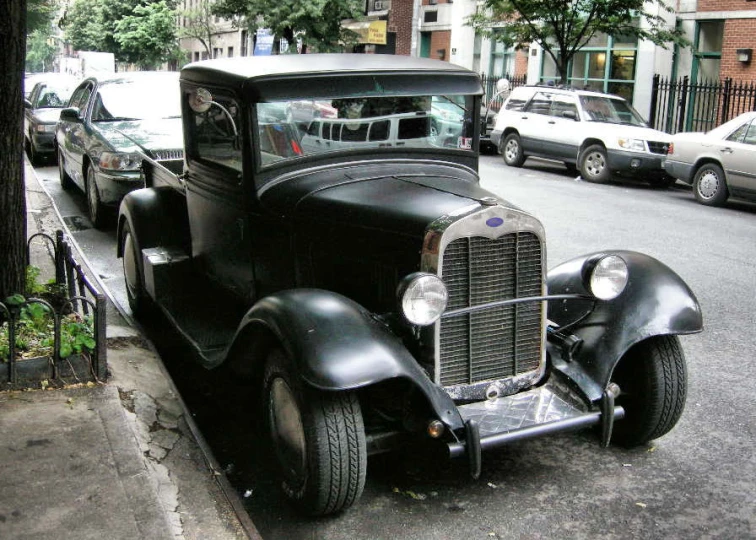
{"x":708,"y":185}
{"x":594,"y":164}
{"x":512,"y":150}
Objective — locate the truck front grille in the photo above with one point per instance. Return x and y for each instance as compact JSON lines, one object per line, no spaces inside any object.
{"x":494,"y":343}
{"x":656,"y":147}
{"x":164,"y":155}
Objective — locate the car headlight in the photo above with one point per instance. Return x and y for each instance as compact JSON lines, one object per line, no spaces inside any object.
{"x":422,"y":298}
{"x":607,"y":277}
{"x":45,"y":128}
{"x":637,"y":145}
{"x":120,"y":161}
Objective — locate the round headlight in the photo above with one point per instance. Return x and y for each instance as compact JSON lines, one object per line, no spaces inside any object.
{"x":422,"y":298}
{"x":608,"y":277}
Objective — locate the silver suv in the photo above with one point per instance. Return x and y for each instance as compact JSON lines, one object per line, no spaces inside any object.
{"x":595,"y":133}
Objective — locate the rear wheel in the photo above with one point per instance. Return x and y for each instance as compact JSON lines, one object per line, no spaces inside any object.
{"x":318,"y":438}
{"x":512,"y":152}
{"x":653,"y":385}
{"x":709,"y":185}
{"x":593,"y":164}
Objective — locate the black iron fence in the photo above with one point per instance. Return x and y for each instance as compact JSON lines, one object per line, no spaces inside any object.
{"x":54,"y":333}
{"x":682,"y":105}
{"x":490,"y":98}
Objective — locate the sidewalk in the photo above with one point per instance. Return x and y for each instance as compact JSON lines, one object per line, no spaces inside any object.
{"x":121,"y":460}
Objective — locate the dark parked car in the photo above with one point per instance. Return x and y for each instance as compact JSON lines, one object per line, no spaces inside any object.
{"x":110,"y":123}
{"x":374,"y":296}
{"x":41,"y":113}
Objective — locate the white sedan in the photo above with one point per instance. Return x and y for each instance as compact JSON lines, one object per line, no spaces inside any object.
{"x":718,"y":164}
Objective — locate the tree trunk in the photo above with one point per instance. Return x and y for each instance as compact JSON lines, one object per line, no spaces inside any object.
{"x":12,"y":192}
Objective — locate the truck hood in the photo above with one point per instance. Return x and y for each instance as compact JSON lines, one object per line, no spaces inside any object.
{"x":143,"y":135}
{"x":395,"y":196}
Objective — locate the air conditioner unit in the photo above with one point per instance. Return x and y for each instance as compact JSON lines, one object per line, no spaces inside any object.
{"x":379,"y":5}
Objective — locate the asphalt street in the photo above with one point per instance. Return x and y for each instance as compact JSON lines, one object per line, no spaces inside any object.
{"x":699,"y":481}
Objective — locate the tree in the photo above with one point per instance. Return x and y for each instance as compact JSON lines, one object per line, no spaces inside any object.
{"x":563,"y":27}
{"x":147,"y":37}
{"x":135,"y":31}
{"x":316,"y":22}
{"x":198,"y":24}
{"x":40,"y":50}
{"x":13,"y":27}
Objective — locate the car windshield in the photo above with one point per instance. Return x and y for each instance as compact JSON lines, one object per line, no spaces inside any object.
{"x":139,"y":99}
{"x":611,"y":110}
{"x":293,"y":129}
{"x":54,"y":95}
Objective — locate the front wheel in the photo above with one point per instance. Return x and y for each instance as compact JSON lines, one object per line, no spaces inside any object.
{"x":653,"y":385}
{"x":318,"y":438}
{"x":709,"y":185}
{"x":512,"y":151}
{"x":593,"y":164}
{"x":140,"y":303}
{"x":98,"y":214}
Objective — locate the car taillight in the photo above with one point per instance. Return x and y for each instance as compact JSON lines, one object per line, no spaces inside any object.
{"x":671,"y":149}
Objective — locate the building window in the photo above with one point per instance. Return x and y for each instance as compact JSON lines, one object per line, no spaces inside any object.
{"x":605,"y":64}
{"x":230,"y":52}
{"x":196,"y":56}
{"x":502,"y":59}
{"x":244,"y":40}
{"x":430,"y":16}
{"x":217,"y":53}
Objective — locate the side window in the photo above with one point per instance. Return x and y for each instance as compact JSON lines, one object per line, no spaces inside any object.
{"x":216,"y":133}
{"x":739,"y":134}
{"x":750,"y":137}
{"x":562,"y":105}
{"x":379,"y":131}
{"x":80,"y":98}
{"x":314,"y":129}
{"x":540,"y":104}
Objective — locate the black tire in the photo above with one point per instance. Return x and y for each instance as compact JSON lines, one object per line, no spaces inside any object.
{"x":318,"y":438}
{"x":511,"y":150}
{"x":653,"y":385}
{"x":593,"y":164}
{"x":98,"y":213}
{"x":139,"y":301}
{"x":65,"y":181}
{"x":709,"y":185}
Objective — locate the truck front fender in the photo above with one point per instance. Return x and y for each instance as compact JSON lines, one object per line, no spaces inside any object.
{"x":656,"y":301}
{"x":156,"y":217}
{"x":338,"y":345}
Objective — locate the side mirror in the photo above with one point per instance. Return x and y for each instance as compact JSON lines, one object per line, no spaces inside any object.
{"x":71,"y":114}
{"x":27,"y":104}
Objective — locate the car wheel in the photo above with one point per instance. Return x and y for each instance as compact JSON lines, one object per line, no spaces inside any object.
{"x":318,"y":438}
{"x":709,"y":185}
{"x":593,"y":164}
{"x":65,"y":180}
{"x":652,"y":378}
{"x":512,"y":151}
{"x":98,"y":214}
{"x":140,"y":303}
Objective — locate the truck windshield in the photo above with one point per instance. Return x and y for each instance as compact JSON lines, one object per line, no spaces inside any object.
{"x":291,"y":129}
{"x":611,"y":110}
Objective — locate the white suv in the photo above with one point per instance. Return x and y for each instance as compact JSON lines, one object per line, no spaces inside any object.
{"x":599,"y":134}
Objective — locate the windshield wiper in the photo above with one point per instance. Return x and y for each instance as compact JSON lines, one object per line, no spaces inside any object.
{"x":448,"y":99}
{"x":116,"y":119}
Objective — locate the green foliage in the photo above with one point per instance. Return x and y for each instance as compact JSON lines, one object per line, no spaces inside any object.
{"x":316,"y":22}
{"x":39,"y":14}
{"x":40,"y":50}
{"x":562,"y":27}
{"x":136,"y":31}
{"x":148,"y":34}
{"x":35,"y":323}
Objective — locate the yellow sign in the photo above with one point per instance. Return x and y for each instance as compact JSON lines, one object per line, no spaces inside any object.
{"x":377,"y":33}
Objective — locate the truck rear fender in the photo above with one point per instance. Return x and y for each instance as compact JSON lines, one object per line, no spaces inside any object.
{"x":656,"y":301}
{"x":157,"y":217}
{"x":336,"y":344}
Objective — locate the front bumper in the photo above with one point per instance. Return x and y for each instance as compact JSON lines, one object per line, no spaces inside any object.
{"x":44,"y":143}
{"x":551,"y":408}
{"x":635,"y":162}
{"x":113,"y":186}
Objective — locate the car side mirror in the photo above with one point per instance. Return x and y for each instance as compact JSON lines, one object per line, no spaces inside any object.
{"x":27,"y":104}
{"x":70,"y":114}
{"x":570,"y":114}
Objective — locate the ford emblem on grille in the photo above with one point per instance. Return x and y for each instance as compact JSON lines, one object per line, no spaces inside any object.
{"x":494,"y":222}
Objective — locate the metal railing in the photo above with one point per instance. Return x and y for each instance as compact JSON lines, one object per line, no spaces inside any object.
{"x":683,"y":105}
{"x":75,"y":296}
{"x":489,"y":87}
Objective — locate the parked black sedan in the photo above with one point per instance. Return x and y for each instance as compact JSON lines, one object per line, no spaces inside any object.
{"x":41,"y":112}
{"x":110,"y":124}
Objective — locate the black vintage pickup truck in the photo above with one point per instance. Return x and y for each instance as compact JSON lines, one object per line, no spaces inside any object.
{"x":327,"y":237}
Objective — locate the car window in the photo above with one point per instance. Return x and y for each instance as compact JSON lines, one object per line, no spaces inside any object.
{"x":750,"y":136}
{"x":738,"y":134}
{"x":214,"y":133}
{"x":80,"y":98}
{"x":562,"y":104}
{"x":540,"y":104}
{"x":610,"y":110}
{"x":137,"y":99}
